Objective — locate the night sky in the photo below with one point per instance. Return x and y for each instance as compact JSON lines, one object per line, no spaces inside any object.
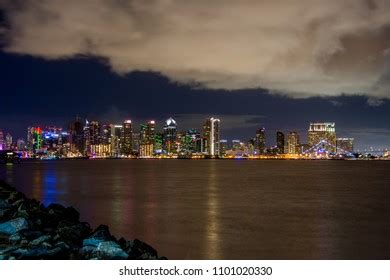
{"x":60,"y":59}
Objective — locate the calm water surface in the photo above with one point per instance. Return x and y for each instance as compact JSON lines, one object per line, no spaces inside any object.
{"x":214,"y":209}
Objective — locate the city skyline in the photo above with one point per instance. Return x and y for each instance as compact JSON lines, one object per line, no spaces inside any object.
{"x":261,"y":138}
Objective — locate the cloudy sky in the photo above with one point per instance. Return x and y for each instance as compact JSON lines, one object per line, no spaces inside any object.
{"x":279,"y":64}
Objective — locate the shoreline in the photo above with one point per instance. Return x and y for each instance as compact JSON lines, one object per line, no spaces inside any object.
{"x":30,"y":231}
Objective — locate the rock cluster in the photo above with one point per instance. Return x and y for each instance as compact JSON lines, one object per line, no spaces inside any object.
{"x":29,"y":230}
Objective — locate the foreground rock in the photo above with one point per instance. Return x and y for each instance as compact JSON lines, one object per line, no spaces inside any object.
{"x":29,"y":230}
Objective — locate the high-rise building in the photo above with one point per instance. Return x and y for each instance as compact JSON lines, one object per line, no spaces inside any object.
{"x":211,"y":134}
{"x":34,"y":139}
{"x":280,"y":142}
{"x":194,"y":141}
{"x":260,"y":140}
{"x":158,"y":143}
{"x":127,"y":138}
{"x":147,"y":133}
{"x":223,"y":146}
{"x":106,"y":137}
{"x":170,"y":133}
{"x":2,"y":146}
{"x":345,"y":145}
{"x":116,"y":132}
{"x":87,"y":144}
{"x":147,"y":138}
{"x":21,"y":144}
{"x":323,"y":135}
{"x":92,"y":136}
{"x":293,"y":143}
{"x":8,"y":141}
{"x":76,"y":136}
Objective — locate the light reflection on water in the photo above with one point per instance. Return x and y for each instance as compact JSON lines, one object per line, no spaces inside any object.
{"x":214,"y":209}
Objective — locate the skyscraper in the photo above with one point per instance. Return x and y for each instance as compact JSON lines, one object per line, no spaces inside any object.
{"x":260,"y":140}
{"x":76,"y":136}
{"x":147,"y":138}
{"x":280,"y":142}
{"x":170,"y":131}
{"x":323,"y":135}
{"x":116,"y":132}
{"x":127,"y":138}
{"x":211,"y":135}
{"x":293,"y":143}
{"x":34,"y":139}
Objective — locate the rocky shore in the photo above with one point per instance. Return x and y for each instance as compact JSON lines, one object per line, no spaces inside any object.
{"x":29,"y":230}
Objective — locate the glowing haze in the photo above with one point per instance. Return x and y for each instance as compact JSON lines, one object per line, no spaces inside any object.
{"x":300,"y":48}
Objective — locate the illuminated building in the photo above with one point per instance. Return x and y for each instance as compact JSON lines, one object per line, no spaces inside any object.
{"x":344,"y":145}
{"x":101,"y":150}
{"x":293,"y":143}
{"x":211,"y":135}
{"x":91,"y":135}
{"x":87,"y":144}
{"x":2,"y":146}
{"x":260,"y":140}
{"x":76,"y":136}
{"x":136,"y":142}
{"x":223,"y":146}
{"x":170,"y":132}
{"x":106,"y":135}
{"x":280,"y":142}
{"x":21,"y":145}
{"x":116,"y":132}
{"x":323,"y":134}
{"x":8,"y":141}
{"x":52,"y":138}
{"x":146,"y":150}
{"x":34,"y":139}
{"x":158,"y":143}
{"x":127,"y":138}
{"x":193,"y":141}
{"x":147,"y":133}
{"x":236,"y":145}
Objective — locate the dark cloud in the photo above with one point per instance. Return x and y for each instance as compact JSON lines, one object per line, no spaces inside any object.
{"x":300,"y":48}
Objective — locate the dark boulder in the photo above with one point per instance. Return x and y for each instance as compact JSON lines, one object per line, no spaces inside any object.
{"x":13,"y":226}
{"x":137,"y":249}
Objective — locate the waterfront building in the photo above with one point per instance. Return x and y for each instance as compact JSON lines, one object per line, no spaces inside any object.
{"x":211,"y":134}
{"x":158,"y":143}
{"x":170,"y":133}
{"x":92,"y":136}
{"x":146,"y":150}
{"x":136,"y":142}
{"x":260,"y":140}
{"x":76,"y":137}
{"x":344,"y":145}
{"x":293,"y":143}
{"x":147,"y":138}
{"x":324,"y":135}
{"x":53,"y":138}
{"x":106,"y":137}
{"x":101,"y":150}
{"x":86,"y":131}
{"x":223,"y":146}
{"x":116,"y":131}
{"x":127,"y":138}
{"x":194,"y":141}
{"x":280,"y":142}
{"x":21,"y":145}
{"x":34,"y":139}
{"x":8,"y":141}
